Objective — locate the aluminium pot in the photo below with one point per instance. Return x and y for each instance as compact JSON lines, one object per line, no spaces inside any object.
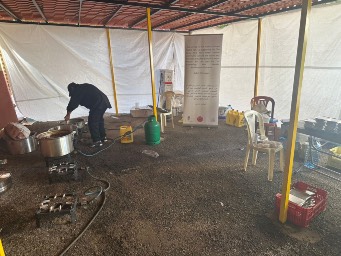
{"x":56,"y":143}
{"x":65,"y":127}
{"x":79,"y":122}
{"x":5,"y":181}
{"x":23,"y":146}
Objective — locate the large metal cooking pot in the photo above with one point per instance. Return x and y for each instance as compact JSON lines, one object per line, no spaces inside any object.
{"x":65,"y":127}
{"x":17,"y":147}
{"x":79,"y":122}
{"x":55,"y":143}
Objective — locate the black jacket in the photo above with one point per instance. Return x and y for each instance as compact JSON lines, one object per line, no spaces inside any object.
{"x":89,"y":96}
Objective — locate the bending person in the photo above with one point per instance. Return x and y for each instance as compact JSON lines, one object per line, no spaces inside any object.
{"x":91,"y":97}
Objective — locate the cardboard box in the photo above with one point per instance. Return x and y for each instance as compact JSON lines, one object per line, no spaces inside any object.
{"x":141,"y":112}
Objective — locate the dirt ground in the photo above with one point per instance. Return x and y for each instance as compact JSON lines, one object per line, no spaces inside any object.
{"x":194,"y":199}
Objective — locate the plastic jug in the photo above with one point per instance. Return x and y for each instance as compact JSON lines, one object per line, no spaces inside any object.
{"x":126,"y":134}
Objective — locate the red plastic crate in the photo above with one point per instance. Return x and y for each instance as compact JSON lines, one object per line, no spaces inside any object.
{"x":302,"y":216}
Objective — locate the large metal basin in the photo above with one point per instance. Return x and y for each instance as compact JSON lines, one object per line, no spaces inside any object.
{"x":56,"y":143}
{"x":18,"y":147}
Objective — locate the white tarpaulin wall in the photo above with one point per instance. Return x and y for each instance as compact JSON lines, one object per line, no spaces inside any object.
{"x":43,"y":60}
{"x":321,"y":93}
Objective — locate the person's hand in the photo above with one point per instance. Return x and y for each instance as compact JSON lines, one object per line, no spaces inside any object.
{"x":67,"y":117}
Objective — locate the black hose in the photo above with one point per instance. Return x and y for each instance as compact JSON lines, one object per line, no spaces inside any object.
{"x":112,"y":143}
{"x":101,"y":191}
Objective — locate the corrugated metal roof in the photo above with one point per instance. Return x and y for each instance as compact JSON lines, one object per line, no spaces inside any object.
{"x":166,"y":15}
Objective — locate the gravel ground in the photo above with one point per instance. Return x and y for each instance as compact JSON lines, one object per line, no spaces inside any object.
{"x":194,"y":199}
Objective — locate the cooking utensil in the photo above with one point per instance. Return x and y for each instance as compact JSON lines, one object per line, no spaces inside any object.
{"x":17,"y":147}
{"x":5,"y":181}
{"x":56,"y":143}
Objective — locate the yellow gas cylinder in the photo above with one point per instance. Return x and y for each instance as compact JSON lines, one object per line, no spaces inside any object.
{"x":240,"y":119}
{"x":126,"y":133}
{"x":229,"y":117}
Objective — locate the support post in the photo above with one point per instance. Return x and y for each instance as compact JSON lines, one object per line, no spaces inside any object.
{"x":259,"y":37}
{"x":151,"y":62}
{"x":112,"y":72}
{"x":7,"y":113}
{"x":2,"y":252}
{"x":295,"y":104}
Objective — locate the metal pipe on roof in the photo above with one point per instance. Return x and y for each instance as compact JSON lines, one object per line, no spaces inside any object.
{"x":171,"y":8}
{"x":39,"y":10}
{"x":295,"y":106}
{"x":79,"y":11}
{"x":113,"y":15}
{"x":9,"y":12}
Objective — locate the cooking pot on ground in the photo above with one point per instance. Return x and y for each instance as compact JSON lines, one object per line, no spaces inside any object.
{"x":56,"y":143}
{"x":79,"y":122}
{"x":65,"y":127}
{"x":5,"y":181}
{"x":23,"y":146}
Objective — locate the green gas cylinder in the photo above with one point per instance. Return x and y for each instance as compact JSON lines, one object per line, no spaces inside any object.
{"x":152,"y":131}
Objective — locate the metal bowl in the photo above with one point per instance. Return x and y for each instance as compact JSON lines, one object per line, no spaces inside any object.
{"x":5,"y":181}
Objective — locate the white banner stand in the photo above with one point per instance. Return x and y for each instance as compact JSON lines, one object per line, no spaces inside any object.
{"x":202,"y":80}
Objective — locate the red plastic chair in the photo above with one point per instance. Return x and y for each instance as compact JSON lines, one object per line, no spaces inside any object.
{"x":265,"y":101}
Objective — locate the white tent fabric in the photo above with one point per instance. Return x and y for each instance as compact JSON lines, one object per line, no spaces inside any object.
{"x":43,"y":60}
{"x":321,"y":93}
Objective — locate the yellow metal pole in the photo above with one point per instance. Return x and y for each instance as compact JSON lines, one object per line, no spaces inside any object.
{"x":2,"y":252}
{"x":151,"y":61}
{"x":112,"y":71}
{"x":259,"y":36}
{"x":295,"y":104}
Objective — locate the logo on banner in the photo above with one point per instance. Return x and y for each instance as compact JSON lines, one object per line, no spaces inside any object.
{"x":200,"y":119}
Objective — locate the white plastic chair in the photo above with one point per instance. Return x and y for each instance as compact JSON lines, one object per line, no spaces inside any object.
{"x":261,"y":143}
{"x":169,"y":106}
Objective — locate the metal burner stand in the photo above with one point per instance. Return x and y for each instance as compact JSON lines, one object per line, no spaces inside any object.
{"x":65,"y":171}
{"x":53,"y":160}
{"x":57,"y":205}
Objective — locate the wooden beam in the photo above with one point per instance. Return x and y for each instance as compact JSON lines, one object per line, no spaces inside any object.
{"x":150,"y":39}
{"x":295,"y":106}
{"x":112,"y":71}
{"x":259,"y":35}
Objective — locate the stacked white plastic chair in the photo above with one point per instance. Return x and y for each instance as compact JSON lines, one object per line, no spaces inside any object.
{"x":259,"y":142}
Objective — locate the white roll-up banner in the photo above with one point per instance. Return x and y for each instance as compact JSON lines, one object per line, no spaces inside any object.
{"x":202,"y":79}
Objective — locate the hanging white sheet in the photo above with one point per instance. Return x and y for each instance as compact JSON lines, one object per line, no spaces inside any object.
{"x":43,"y":60}
{"x":321,"y":92}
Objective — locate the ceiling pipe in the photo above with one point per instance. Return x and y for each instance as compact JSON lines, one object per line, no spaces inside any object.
{"x":9,"y":12}
{"x":39,"y":10}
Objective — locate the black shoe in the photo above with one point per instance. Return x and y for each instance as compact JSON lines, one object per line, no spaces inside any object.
{"x":105,"y":139}
{"x":96,"y":144}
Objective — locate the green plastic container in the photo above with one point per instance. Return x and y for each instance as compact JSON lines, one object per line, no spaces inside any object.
{"x":152,"y":131}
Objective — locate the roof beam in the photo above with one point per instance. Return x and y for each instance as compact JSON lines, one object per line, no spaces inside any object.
{"x":152,"y":12}
{"x":9,"y":12}
{"x":79,"y":11}
{"x":188,"y":14}
{"x":39,"y":10}
{"x":171,"y":8}
{"x":256,"y":5}
{"x":201,"y":21}
{"x":113,"y":15}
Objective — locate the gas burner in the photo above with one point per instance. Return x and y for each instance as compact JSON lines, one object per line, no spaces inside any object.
{"x":65,"y":171}
{"x":57,"y":205}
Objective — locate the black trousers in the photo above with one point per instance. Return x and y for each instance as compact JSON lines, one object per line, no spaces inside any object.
{"x":96,"y":124}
